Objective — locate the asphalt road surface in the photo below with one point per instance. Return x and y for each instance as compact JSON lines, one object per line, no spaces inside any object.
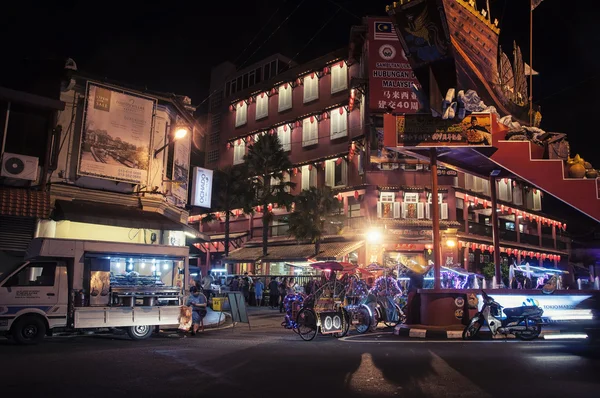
{"x":269,"y":361}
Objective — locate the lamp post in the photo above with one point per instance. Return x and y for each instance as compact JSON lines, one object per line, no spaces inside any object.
{"x":178,"y":133}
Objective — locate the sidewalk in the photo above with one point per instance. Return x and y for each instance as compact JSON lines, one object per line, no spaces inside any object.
{"x":455,"y":332}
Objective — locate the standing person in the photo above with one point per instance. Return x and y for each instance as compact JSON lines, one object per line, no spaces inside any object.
{"x":246,"y":288}
{"x":291,"y":286}
{"x":235,"y":284}
{"x":282,"y":293}
{"x":197,"y":301}
{"x":273,"y":293}
{"x":207,"y":283}
{"x":259,"y":288}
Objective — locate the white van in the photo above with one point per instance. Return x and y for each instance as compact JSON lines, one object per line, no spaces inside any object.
{"x":70,"y":284}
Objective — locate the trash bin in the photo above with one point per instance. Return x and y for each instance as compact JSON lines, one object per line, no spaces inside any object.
{"x":218,"y":303}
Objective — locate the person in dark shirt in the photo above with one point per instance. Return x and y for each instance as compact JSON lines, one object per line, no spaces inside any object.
{"x":273,"y":293}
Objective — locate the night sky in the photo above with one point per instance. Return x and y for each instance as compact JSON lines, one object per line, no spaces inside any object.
{"x":172,"y":46}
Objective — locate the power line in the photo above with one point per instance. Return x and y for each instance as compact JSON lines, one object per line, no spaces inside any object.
{"x":345,"y":9}
{"x":315,"y":35}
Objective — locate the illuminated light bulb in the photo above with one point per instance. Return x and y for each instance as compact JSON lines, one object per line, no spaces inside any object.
{"x":166,"y":266}
{"x":143,"y":265}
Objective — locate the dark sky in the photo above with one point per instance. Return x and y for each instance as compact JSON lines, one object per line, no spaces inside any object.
{"x":171,"y":46}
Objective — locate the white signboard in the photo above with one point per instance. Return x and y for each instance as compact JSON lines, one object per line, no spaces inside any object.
{"x":181,"y":168}
{"x":202,"y":187}
{"x":116,"y":135}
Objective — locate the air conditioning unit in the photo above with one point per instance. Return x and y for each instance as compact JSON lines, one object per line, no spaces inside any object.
{"x":19,"y":166}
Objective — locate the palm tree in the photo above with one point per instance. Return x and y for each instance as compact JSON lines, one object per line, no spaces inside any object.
{"x":313,"y":207}
{"x":232,"y":190}
{"x":266,"y":162}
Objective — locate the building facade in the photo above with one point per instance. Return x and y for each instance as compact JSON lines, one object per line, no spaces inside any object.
{"x":95,"y":161}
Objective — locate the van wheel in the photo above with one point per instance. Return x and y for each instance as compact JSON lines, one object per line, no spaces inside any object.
{"x":28,"y":330}
{"x":141,"y":332}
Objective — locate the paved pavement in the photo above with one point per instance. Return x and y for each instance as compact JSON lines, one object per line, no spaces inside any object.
{"x":268,"y":360}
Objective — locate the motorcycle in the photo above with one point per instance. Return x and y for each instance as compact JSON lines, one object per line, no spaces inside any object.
{"x":524,"y":322}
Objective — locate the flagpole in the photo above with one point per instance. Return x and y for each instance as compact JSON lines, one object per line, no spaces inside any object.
{"x":531,"y":62}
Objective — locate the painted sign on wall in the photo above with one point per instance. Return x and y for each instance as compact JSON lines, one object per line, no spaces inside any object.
{"x":390,"y":75}
{"x":115,"y":141}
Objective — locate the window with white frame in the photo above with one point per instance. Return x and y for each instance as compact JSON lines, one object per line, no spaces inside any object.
{"x":311,"y":87}
{"x":443,"y":207}
{"x":412,"y":208}
{"x":339,"y":123}
{"x":505,"y":189}
{"x":239,"y":150}
{"x":336,"y":173}
{"x":387,"y":207}
{"x":534,"y":201}
{"x":241,"y":113}
{"x":310,"y":131}
{"x":362,"y":111}
{"x":286,"y":178}
{"x":339,"y":77}
{"x":517,"y":194}
{"x":285,"y":97}
{"x":284,"y":133}
{"x":309,"y":177}
{"x":262,"y":106}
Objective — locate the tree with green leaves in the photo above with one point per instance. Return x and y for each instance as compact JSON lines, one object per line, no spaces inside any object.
{"x":268,"y":163}
{"x":312,"y":209}
{"x":232,"y":190}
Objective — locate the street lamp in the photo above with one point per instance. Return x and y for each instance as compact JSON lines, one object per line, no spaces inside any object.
{"x":179,"y":132}
{"x":374,"y":236}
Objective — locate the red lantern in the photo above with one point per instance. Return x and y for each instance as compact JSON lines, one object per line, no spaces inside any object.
{"x":286,"y":85}
{"x":262,"y":95}
{"x":312,"y":119}
{"x":295,"y":171}
{"x":531,"y":254}
{"x":485,"y":204}
{"x":535,"y":191}
{"x":250,"y":99}
{"x":466,"y":198}
{"x":285,"y":127}
{"x":298,"y":82}
{"x":564,"y":227}
{"x":341,"y":64}
{"x":270,"y":208}
{"x":239,"y":142}
{"x":325,"y":70}
{"x":310,"y":167}
{"x":339,"y":197}
{"x":476,"y":201}
{"x":558,"y":257}
{"x":241,"y":103}
{"x":509,"y":251}
{"x":312,"y":75}
{"x":544,"y":256}
{"x":514,"y":183}
{"x":506,"y":180}
{"x":510,"y":210}
{"x":231,"y":108}
{"x":273,"y":90}
{"x":501,"y":208}
{"x":537,"y":255}
{"x":338,"y":161}
{"x":228,"y":145}
{"x":356,"y":195}
{"x":341,"y":110}
{"x":325,"y":116}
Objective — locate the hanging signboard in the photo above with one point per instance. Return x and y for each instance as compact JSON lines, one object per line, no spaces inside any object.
{"x":390,"y":75}
{"x":115,"y":142}
{"x":443,"y":171}
{"x":181,"y":168}
{"x":428,"y":131}
{"x":202,"y":187}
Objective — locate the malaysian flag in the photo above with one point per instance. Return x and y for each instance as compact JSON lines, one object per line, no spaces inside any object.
{"x":535,"y":3}
{"x":385,"y":31}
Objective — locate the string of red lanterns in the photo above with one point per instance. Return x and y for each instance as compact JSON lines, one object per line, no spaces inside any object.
{"x":519,"y":213}
{"x":509,"y":251}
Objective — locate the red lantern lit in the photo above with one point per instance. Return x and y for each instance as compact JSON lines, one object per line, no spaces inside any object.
{"x":325,"y":70}
{"x":295,"y":171}
{"x":341,"y":64}
{"x":338,"y":161}
{"x":510,"y":210}
{"x":476,"y":201}
{"x":339,"y":197}
{"x":514,"y":183}
{"x":241,"y":103}
{"x":537,"y":255}
{"x":509,"y":251}
{"x":485,"y":204}
{"x":270,"y":208}
{"x":285,"y":127}
{"x":273,"y":90}
{"x":231,"y":108}
{"x":501,"y":208}
{"x":312,"y":75}
{"x":544,"y":256}
{"x":286,"y":85}
{"x":310,"y":167}
{"x":506,"y":180}
{"x":564,"y":227}
{"x":341,"y":111}
{"x":312,"y":119}
{"x":356,"y":195}
{"x":228,"y":145}
{"x":298,"y":82}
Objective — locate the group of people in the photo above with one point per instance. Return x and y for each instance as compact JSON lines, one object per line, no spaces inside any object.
{"x":254,"y":289}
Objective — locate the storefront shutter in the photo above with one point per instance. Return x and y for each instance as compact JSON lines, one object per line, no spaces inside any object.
{"x":420,"y":210}
{"x":396,"y":209}
{"x":444,"y":211}
{"x":16,"y":232}
{"x":404,"y":209}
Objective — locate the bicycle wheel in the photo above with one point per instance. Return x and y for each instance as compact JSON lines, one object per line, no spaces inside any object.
{"x":362,"y":316}
{"x":345,"y":324}
{"x":306,"y":324}
{"x":396,"y":317}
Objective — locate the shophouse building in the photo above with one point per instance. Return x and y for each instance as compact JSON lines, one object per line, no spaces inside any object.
{"x":86,"y":159}
{"x":328,"y":114}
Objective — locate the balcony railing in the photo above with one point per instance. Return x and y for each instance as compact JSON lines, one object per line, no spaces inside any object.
{"x":511,"y":236}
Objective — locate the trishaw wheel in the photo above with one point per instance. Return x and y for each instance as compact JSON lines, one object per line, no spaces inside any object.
{"x":306,"y":324}
{"x":363,"y":313}
{"x":399,"y":318}
{"x":345,"y":325}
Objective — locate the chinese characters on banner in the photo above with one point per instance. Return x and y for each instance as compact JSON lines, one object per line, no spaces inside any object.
{"x":390,"y":74}
{"x":427,"y":131}
{"x":116,"y":135}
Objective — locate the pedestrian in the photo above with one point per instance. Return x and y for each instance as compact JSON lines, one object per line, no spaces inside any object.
{"x":235,"y":284}
{"x":259,"y":288}
{"x":246,"y":288}
{"x":291,"y":286}
{"x":282,"y":293}
{"x":273,"y":293}
{"x":197,"y":301}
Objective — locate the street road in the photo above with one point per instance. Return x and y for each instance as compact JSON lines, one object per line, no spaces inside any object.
{"x":269,"y":361}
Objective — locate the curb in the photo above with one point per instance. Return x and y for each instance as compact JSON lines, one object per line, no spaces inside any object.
{"x":423,"y":333}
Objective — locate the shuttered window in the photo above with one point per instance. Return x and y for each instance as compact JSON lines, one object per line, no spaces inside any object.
{"x":336,"y":173}
{"x":262,"y":106}
{"x":310,"y":131}
{"x":285,"y":97}
{"x":239,"y":150}
{"x":284,"y":133}
{"x":309,"y":177}
{"x":241,"y":113}
{"x":339,"y":123}
{"x":311,"y":87}
{"x":339,"y":77}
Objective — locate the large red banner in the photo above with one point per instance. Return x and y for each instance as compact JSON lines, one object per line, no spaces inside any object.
{"x":390,"y":75}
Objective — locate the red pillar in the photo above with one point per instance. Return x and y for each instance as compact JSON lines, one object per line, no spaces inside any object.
{"x":554,"y":236}
{"x":495,"y":231}
{"x":435,"y":217}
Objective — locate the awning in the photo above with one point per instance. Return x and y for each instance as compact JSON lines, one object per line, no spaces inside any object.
{"x":295,"y":252}
{"x":118,"y":216}
{"x":20,"y":202}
